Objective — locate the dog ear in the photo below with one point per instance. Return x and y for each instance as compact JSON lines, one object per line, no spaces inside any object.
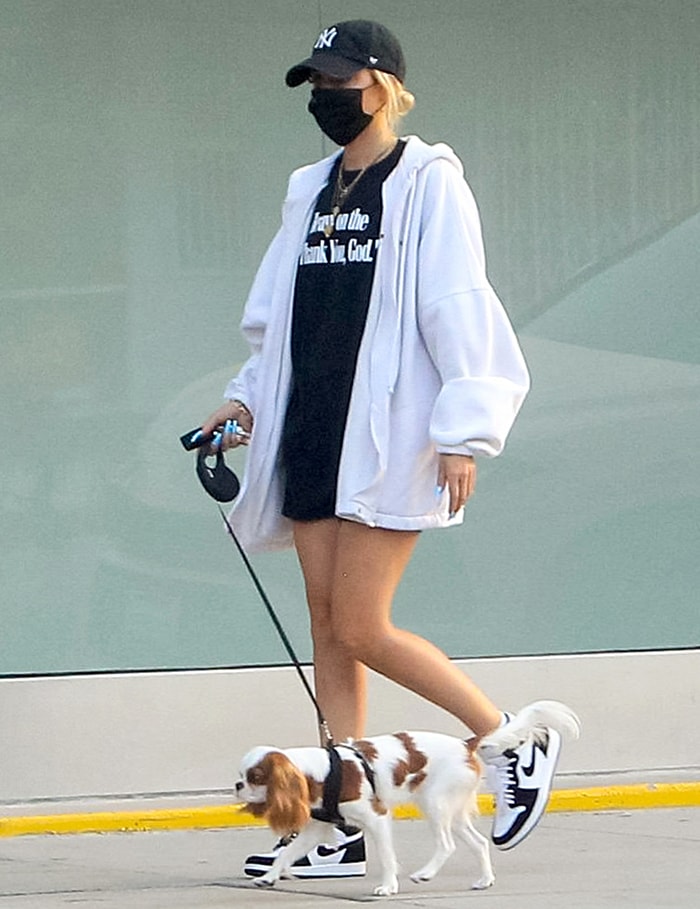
{"x":287,"y":807}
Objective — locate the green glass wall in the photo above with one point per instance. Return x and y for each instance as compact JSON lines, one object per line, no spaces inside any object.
{"x":145,"y":150}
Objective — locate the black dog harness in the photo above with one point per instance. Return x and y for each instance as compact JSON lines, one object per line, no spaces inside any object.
{"x":331,"y":785}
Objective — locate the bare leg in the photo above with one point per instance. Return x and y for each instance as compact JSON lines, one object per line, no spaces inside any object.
{"x":369,"y":565}
{"x":352,"y":572}
{"x":340,"y":678}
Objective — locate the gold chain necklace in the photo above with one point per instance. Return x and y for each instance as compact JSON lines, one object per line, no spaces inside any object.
{"x":341,"y":191}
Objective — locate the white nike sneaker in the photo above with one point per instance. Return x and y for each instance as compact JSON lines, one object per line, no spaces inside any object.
{"x":345,"y":858}
{"x":521,"y":779}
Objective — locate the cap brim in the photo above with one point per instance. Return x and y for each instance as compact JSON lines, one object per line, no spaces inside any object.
{"x":328,"y":64}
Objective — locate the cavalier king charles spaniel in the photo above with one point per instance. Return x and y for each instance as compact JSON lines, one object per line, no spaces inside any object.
{"x":439,"y":773}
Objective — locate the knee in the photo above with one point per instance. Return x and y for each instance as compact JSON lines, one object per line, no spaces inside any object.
{"x":332,"y":636}
{"x":334,"y":630}
{"x":358,"y":639}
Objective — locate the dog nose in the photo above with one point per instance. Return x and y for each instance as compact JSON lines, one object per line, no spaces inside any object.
{"x":239,"y":785}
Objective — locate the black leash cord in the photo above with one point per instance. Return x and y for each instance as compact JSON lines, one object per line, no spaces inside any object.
{"x":323,"y":725}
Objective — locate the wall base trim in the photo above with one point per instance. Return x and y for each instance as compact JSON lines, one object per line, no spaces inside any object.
{"x":79,"y":736}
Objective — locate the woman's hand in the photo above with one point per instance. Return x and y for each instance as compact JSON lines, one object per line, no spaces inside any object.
{"x":457,"y":473}
{"x":222,"y":425}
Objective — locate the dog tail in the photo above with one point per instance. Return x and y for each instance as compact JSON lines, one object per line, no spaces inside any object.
{"x":532,"y":720}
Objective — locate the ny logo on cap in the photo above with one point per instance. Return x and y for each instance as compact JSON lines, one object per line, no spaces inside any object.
{"x":326,"y":38}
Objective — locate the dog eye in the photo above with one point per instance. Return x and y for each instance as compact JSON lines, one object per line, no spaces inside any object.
{"x":254,"y":776}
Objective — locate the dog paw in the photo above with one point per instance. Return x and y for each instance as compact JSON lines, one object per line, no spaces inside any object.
{"x":419,"y":877}
{"x":484,"y":883}
{"x":263,"y":882}
{"x":387,"y":889}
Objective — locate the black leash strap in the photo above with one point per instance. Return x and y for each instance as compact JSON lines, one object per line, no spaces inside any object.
{"x":323,"y":725}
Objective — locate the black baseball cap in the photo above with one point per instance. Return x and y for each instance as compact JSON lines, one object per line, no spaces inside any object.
{"x":347,"y":47}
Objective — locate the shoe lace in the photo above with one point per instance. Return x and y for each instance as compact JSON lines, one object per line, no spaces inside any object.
{"x":503,"y":780}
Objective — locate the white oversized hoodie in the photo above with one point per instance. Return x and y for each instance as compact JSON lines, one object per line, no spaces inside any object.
{"x":439,"y":367}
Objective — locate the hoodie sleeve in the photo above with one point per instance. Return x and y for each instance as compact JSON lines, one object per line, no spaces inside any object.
{"x":465,"y":327}
{"x":253,"y":325}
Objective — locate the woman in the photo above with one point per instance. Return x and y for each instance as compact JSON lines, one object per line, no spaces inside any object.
{"x":382,"y":364}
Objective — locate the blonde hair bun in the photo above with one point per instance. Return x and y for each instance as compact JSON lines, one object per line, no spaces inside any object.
{"x":399,"y":101}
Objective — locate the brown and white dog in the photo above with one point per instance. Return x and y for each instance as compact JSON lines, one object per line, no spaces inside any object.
{"x":439,"y":773}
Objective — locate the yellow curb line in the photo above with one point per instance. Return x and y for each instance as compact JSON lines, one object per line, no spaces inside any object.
{"x":604,"y":798}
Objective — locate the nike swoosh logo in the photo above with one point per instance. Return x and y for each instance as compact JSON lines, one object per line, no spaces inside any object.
{"x":326,"y":851}
{"x":529,"y":770}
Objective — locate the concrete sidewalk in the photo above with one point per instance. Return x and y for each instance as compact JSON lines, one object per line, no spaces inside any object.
{"x":643,"y":859}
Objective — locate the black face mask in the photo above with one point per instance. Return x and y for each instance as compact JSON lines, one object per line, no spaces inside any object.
{"x":338,"y":111}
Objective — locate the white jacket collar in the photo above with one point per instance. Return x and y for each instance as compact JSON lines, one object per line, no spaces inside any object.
{"x":416,"y":156}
